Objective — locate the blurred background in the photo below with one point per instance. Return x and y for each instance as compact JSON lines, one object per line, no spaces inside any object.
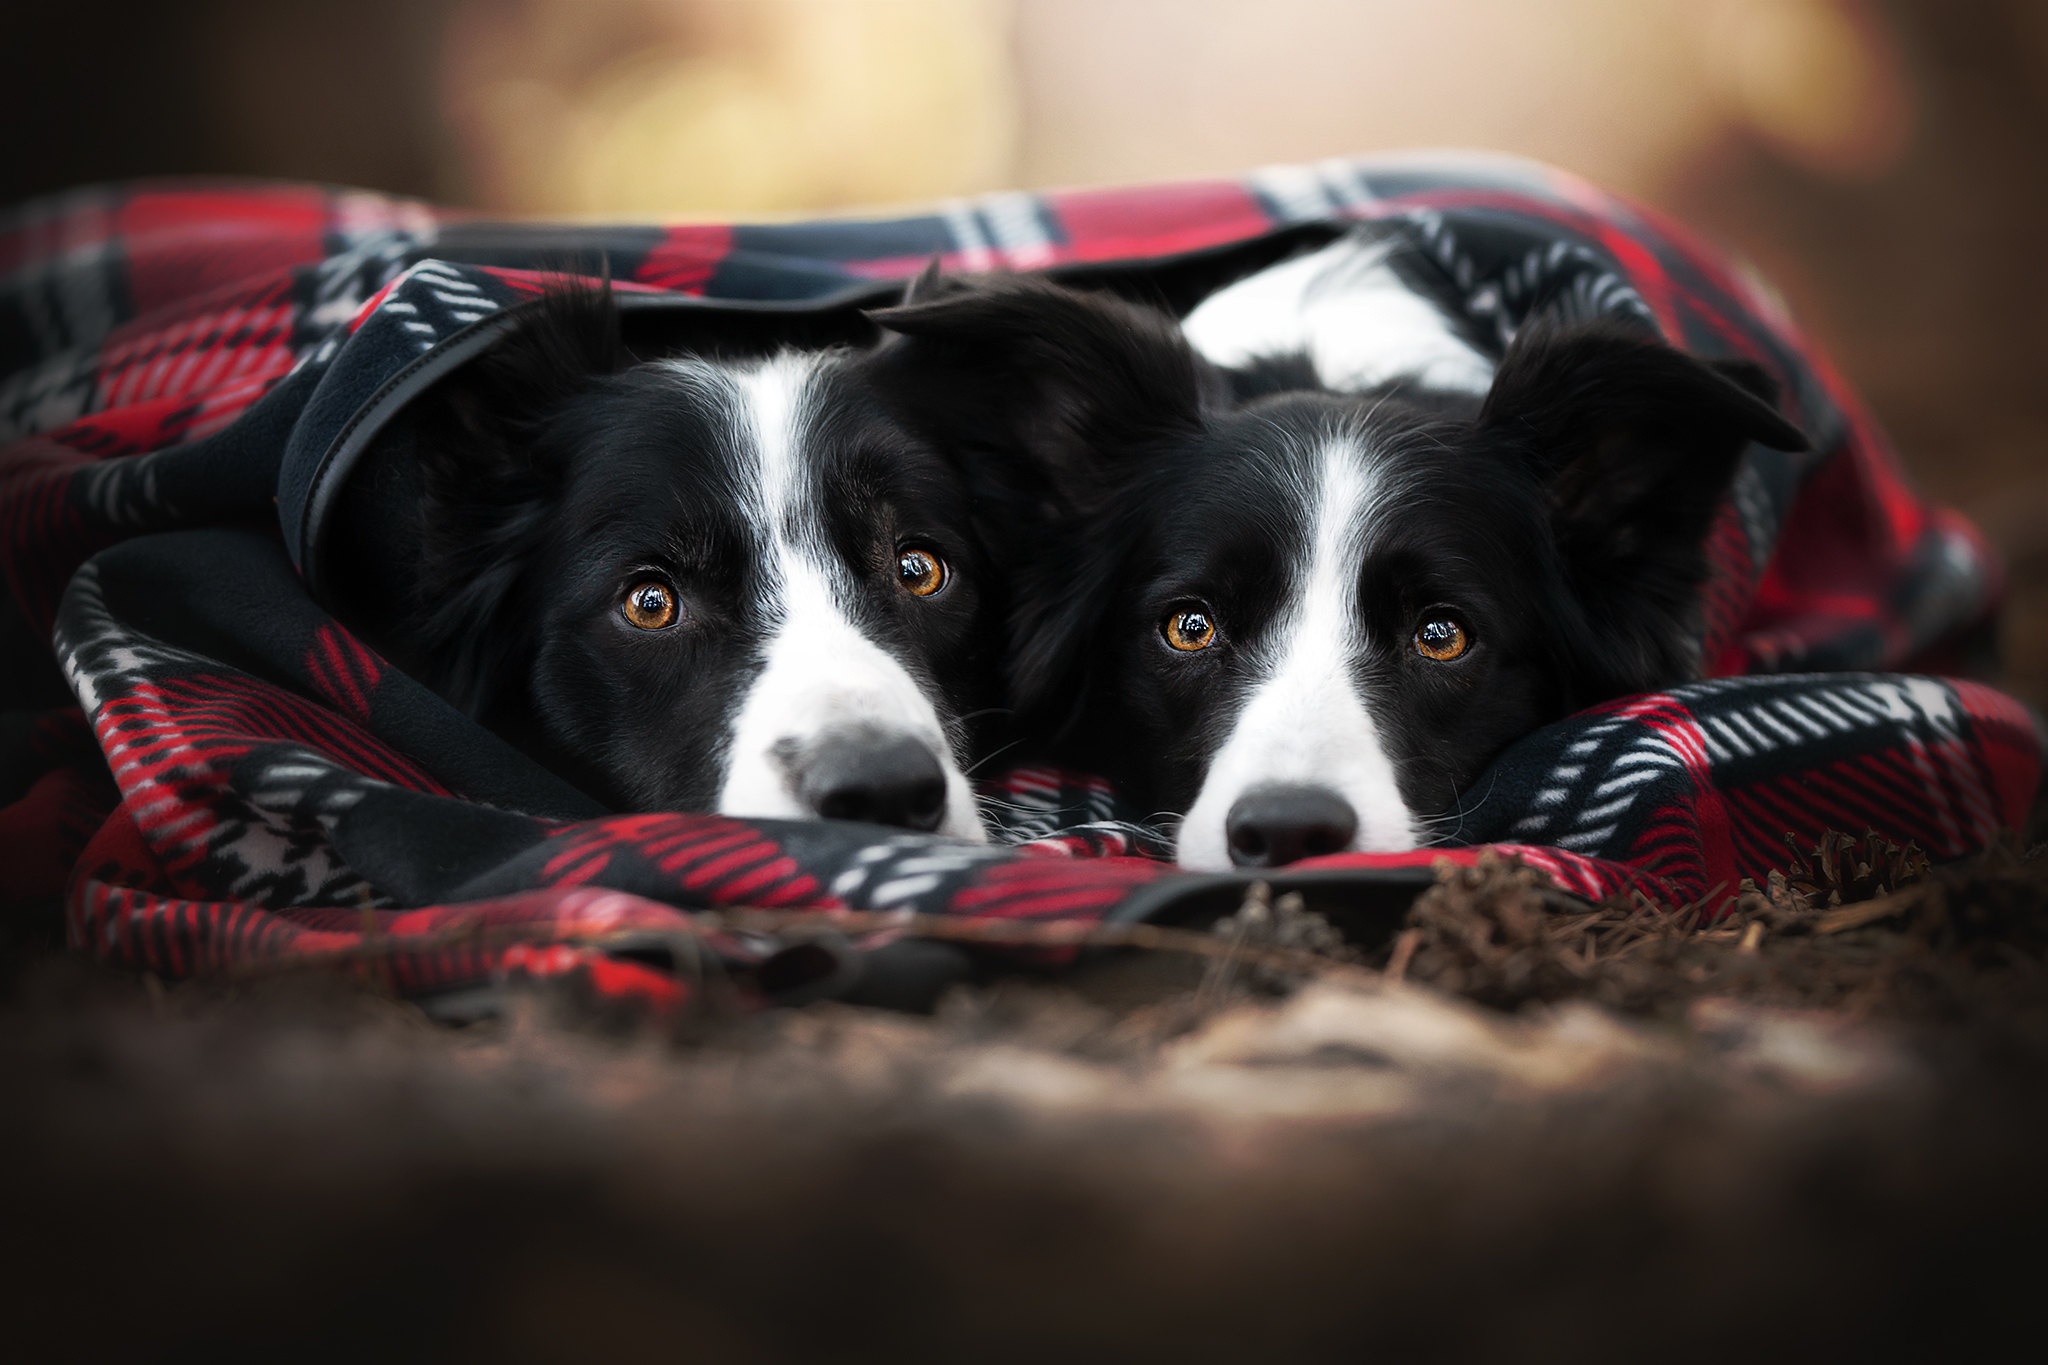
{"x":1882,"y":160}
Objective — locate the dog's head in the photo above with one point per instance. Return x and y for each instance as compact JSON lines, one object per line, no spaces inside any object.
{"x":1310,"y":619}
{"x":704,"y":585}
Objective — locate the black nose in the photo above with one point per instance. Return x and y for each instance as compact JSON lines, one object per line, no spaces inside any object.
{"x":1273,"y":826}
{"x":882,"y":779}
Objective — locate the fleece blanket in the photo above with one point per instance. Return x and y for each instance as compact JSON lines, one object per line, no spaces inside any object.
{"x":209,"y":770}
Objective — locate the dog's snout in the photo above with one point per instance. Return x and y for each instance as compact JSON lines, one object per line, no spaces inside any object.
{"x":1276,"y":825}
{"x":881,"y":779}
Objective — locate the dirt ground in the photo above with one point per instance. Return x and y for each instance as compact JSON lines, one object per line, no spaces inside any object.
{"x":1561,"y":1132}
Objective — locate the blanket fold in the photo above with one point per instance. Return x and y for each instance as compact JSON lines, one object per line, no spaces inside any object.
{"x":194,"y":385}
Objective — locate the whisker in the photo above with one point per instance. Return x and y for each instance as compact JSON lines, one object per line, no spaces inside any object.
{"x":997,"y":803}
{"x":1458,"y":814}
{"x":990,"y":757}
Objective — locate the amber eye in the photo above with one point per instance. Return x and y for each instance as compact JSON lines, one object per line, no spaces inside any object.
{"x":650,"y":605}
{"x":921,"y":572}
{"x":1441,"y":638}
{"x":1189,"y":629}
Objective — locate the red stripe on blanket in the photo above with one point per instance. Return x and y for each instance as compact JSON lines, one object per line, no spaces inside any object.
{"x":179,"y":243}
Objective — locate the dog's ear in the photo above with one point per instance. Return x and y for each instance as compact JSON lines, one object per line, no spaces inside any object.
{"x":490,"y":480}
{"x":1054,"y":389}
{"x":1635,"y":444}
{"x":930,"y":283}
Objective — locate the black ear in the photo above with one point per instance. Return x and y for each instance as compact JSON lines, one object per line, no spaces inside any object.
{"x":491,"y":478}
{"x":1636,"y":445}
{"x":1058,"y":388}
{"x":932,"y":282}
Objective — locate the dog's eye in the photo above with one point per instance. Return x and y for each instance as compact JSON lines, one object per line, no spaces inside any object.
{"x":1189,"y":629}
{"x":921,"y":572}
{"x":650,"y":605}
{"x":1442,"y":638}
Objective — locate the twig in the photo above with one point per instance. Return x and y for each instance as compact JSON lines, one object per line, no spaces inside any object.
{"x":1256,"y":910}
{"x":1405,"y":944}
{"x":1847,"y":917}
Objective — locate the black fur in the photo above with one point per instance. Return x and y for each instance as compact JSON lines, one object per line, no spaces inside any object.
{"x":1561,"y":520}
{"x":558,"y":471}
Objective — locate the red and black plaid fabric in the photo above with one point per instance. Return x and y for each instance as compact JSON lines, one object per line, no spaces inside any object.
{"x":210,"y":770}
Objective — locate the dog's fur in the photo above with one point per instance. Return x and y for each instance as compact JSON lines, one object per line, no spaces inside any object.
{"x":773,"y":498}
{"x":1555,"y":514}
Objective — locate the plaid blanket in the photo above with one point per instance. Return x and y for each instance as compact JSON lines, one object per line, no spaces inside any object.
{"x":210,"y":771}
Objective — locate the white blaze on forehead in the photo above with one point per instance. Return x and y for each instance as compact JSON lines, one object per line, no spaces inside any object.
{"x":770,"y":419}
{"x":1303,"y":721}
{"x":1347,"y":310}
{"x":821,"y":675}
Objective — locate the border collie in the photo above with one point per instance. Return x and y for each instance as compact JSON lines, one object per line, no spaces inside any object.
{"x":692,"y":583}
{"x":1306,"y":617}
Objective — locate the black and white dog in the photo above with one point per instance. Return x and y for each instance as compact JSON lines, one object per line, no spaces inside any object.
{"x":701,"y":584}
{"x":1309,"y":585}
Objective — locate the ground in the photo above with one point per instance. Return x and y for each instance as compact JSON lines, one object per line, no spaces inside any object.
{"x":1517,"y":1127}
